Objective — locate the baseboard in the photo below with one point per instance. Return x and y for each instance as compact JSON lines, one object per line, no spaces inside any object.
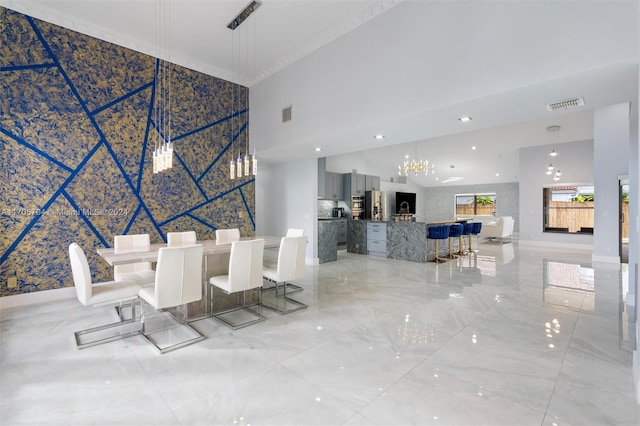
{"x":37,"y":297}
{"x":536,"y":243}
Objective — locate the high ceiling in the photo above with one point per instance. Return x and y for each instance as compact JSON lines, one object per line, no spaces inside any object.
{"x":498,"y":61}
{"x":278,"y":33}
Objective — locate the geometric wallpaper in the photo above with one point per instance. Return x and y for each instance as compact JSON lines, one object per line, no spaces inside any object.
{"x":76,"y":142}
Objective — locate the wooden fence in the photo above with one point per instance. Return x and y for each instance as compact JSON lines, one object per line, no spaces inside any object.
{"x":562,"y":214}
{"x":467,"y":209}
{"x":576,"y":215}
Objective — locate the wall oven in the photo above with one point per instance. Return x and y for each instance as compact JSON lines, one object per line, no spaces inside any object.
{"x":357,"y":207}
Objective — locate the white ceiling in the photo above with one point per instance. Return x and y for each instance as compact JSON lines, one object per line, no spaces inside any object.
{"x":503,"y":81}
{"x":278,"y":33}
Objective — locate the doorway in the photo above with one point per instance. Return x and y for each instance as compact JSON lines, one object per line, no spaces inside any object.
{"x":624,"y":220}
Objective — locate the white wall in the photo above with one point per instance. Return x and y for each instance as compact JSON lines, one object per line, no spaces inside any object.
{"x":611,"y":155}
{"x":631,"y":220}
{"x":632,"y":295}
{"x":575,"y":159}
{"x":373,"y":74}
{"x":390,"y":189}
{"x":286,"y":197}
{"x":441,"y":200}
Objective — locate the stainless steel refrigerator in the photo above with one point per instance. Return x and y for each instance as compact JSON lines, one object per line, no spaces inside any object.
{"x":374,"y":202}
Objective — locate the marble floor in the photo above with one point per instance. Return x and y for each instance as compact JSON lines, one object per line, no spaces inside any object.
{"x":513,"y":335}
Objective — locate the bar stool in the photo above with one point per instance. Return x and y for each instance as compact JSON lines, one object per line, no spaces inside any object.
{"x":437,"y":233}
{"x":475,"y":230}
{"x":466,"y":232}
{"x":455,"y":230}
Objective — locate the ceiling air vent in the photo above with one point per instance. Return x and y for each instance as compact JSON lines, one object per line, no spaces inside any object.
{"x":566,"y":104}
{"x":286,"y":114}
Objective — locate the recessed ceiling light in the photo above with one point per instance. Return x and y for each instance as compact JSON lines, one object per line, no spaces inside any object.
{"x":473,"y":147}
{"x":317,"y":149}
{"x":497,"y":174}
{"x":465,"y":119}
{"x":379,"y":137}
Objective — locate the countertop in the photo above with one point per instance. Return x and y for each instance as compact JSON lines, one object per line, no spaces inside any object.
{"x":332,"y":218}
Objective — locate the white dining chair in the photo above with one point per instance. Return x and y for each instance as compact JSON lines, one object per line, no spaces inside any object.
{"x":178,"y":282}
{"x":294,"y":232}
{"x":271,"y":262}
{"x":227,"y":236}
{"x":99,"y":294}
{"x":290,"y":266}
{"x":181,"y":239}
{"x":245,"y":273}
{"x":141,"y":272}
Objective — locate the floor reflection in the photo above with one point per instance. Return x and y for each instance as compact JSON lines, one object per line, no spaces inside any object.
{"x":568,"y":284}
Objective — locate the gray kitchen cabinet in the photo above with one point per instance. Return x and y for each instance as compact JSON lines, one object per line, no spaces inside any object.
{"x":329,"y":183}
{"x":354,"y":184}
{"x":372,"y":183}
{"x":377,"y":238}
{"x":333,"y":184}
{"x":342,"y":231}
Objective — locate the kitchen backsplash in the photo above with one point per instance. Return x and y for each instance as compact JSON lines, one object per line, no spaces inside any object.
{"x":325,"y":207}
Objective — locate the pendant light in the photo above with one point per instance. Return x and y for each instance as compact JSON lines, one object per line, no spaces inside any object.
{"x":163,"y":152}
{"x":247,"y":161}
{"x":553,"y":130}
{"x":248,"y":165}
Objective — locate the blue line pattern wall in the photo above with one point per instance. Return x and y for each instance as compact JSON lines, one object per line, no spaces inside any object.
{"x":76,"y":142}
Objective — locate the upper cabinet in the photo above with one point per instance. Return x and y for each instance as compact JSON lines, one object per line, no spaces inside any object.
{"x":329,"y":183}
{"x":372,"y":183}
{"x":357,"y":184}
{"x":354,"y":184}
{"x":333,"y":186}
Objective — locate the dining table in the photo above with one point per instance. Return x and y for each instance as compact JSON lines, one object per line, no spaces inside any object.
{"x":215,"y":262}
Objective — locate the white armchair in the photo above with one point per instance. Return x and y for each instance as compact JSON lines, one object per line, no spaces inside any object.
{"x":500,"y":228}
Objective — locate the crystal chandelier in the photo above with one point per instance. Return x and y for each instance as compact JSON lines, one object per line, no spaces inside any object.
{"x":249,"y":165}
{"x":415,"y":166}
{"x":163,"y":152}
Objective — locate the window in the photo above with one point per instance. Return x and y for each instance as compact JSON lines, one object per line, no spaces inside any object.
{"x":468,"y":204}
{"x":568,"y":209}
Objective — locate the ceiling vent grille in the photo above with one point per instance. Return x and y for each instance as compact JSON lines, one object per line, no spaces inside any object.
{"x":286,"y":114}
{"x":566,"y":104}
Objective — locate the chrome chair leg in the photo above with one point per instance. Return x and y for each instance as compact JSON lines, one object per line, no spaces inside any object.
{"x":119,"y":330}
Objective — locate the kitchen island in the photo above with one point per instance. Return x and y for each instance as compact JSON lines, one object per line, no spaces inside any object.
{"x":404,"y":240}
{"x":331,"y":232}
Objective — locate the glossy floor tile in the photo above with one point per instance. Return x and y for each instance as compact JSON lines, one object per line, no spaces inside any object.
{"x":511,"y":335}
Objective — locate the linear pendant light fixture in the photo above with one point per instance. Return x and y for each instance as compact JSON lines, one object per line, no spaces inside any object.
{"x":163,"y":152}
{"x":244,"y":14}
{"x":239,"y":168}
